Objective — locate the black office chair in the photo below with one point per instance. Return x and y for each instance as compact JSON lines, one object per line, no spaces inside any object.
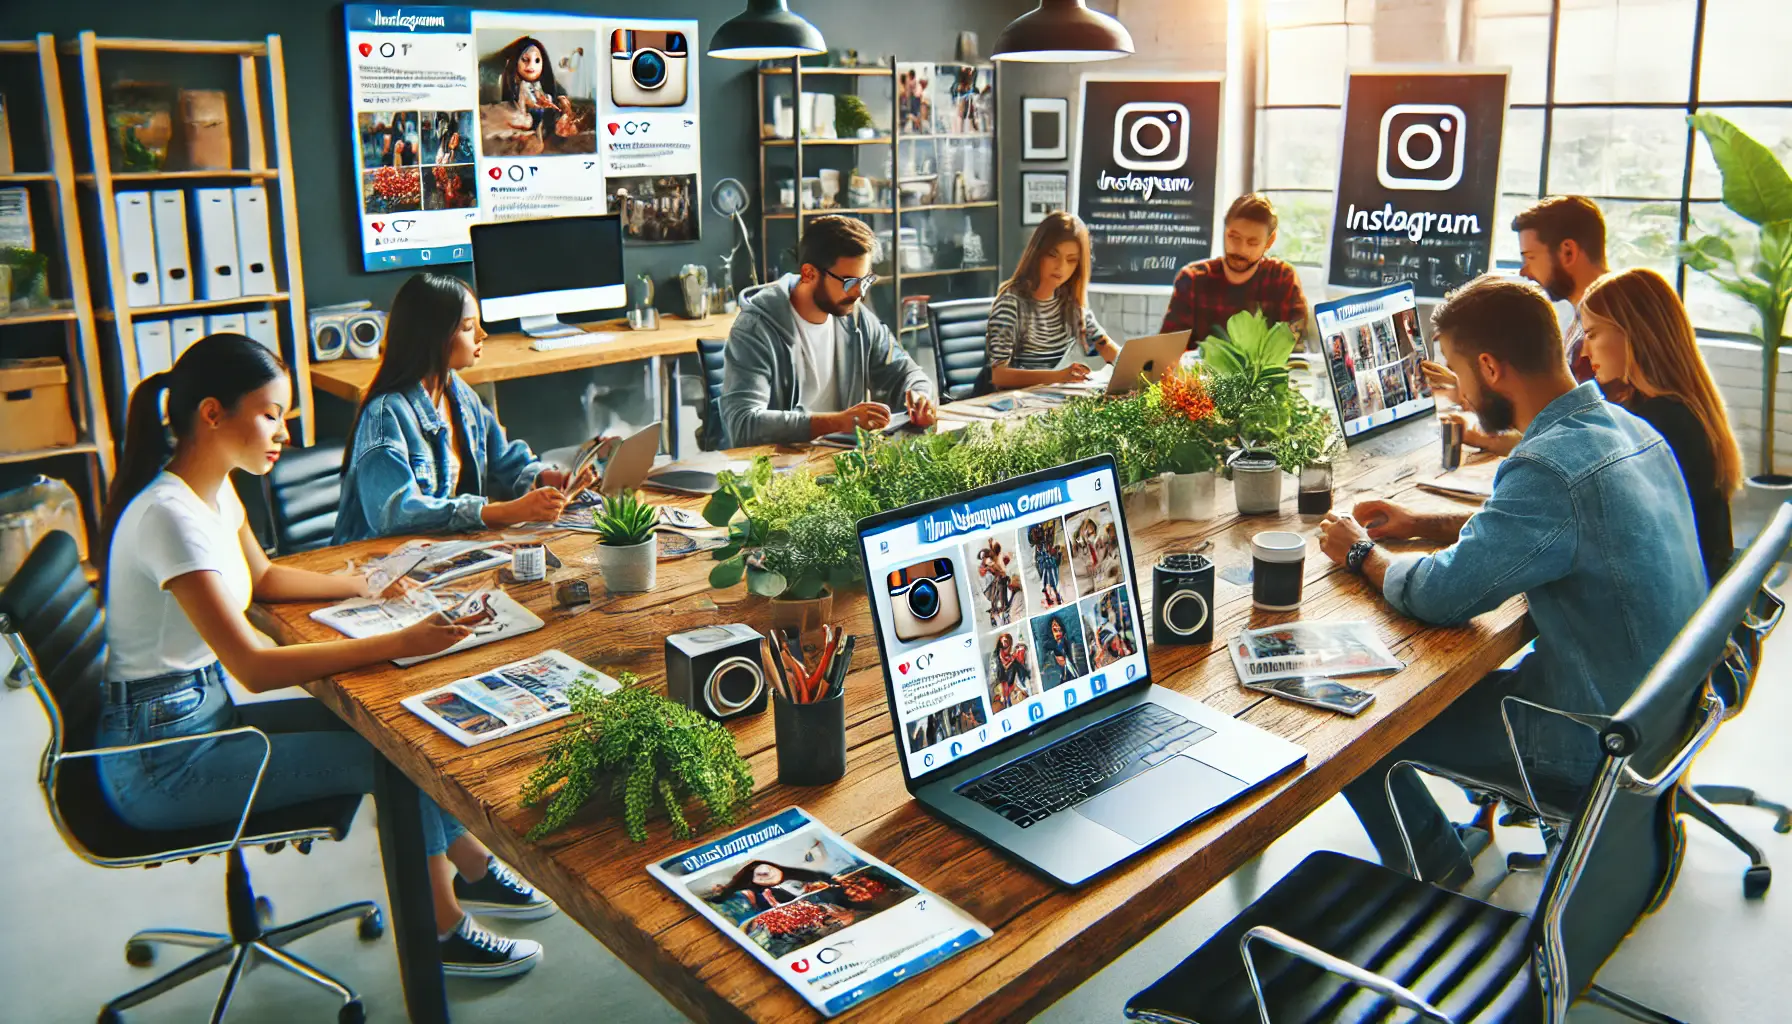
{"x":960,"y":343}
{"x":712,"y":433}
{"x":301,"y":493}
{"x":52,"y":620}
{"x":1356,"y":941}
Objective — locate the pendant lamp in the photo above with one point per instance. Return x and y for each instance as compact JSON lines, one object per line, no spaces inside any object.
{"x":766,"y":30}
{"x":1062,"y":32}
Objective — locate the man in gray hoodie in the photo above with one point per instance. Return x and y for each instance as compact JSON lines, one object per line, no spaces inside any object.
{"x":805,"y":359}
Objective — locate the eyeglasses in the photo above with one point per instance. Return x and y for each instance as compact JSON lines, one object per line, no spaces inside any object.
{"x":858,"y":284}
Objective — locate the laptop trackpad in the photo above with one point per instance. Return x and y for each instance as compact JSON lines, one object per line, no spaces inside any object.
{"x":1152,"y":803}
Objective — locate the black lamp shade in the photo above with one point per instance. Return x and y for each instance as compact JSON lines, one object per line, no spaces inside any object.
{"x":1062,"y":32}
{"x":766,"y":30}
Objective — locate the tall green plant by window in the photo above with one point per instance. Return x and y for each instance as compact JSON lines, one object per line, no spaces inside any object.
{"x":1757,"y":189}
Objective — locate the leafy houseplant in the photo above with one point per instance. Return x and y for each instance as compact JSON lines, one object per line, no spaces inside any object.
{"x":1757,"y":189}
{"x":628,"y":551}
{"x":850,"y":117}
{"x":635,"y":746}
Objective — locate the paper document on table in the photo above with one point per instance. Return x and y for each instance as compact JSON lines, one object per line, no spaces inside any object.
{"x":507,"y":699}
{"x":1468,"y":481}
{"x":447,"y":560}
{"x":363,"y":617}
{"x":1299,"y":649}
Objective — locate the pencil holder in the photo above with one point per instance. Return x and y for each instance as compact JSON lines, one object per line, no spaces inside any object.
{"x":811,"y":740}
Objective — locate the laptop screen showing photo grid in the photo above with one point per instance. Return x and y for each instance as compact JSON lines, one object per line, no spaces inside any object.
{"x":1004,"y":612}
{"x":1373,"y":345}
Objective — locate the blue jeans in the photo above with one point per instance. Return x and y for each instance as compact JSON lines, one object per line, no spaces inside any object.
{"x":312,"y":754}
{"x":1468,"y":740}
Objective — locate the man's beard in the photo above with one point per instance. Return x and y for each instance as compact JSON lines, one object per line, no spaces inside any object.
{"x":1239,"y":264}
{"x":828,"y":305}
{"x":1559,"y":286}
{"x":1495,"y":411}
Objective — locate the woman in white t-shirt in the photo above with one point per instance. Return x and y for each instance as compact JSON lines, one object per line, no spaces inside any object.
{"x":181,"y":568}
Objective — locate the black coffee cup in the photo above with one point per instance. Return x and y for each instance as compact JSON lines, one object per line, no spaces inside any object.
{"x":811,"y":740}
{"x":1278,"y":563}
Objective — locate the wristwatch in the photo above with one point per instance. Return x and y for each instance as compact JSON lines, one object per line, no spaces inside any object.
{"x":1359,"y":553}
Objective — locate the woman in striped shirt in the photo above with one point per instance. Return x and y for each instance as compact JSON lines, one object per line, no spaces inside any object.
{"x":1044,"y":308}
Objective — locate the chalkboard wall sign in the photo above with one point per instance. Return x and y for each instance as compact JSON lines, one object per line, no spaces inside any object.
{"x":1418,"y":178}
{"x":1146,"y":172}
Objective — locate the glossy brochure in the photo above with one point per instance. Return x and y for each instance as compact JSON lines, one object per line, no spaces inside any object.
{"x":448,"y":560}
{"x":507,"y":699}
{"x":1296,"y":650}
{"x":363,"y":617}
{"x":834,"y":923}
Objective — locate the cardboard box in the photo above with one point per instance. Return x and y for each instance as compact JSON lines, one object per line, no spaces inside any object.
{"x":34,"y":409}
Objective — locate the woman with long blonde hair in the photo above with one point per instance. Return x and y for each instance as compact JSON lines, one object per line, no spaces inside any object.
{"x":1043,"y":309}
{"x":1645,"y":358}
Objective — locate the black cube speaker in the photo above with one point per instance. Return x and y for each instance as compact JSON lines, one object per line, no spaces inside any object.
{"x":717,"y":670}
{"x":1182,"y":600}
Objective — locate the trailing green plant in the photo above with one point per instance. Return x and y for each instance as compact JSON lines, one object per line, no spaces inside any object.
{"x":636,"y":748}
{"x":626,"y":520}
{"x":1757,"y":189}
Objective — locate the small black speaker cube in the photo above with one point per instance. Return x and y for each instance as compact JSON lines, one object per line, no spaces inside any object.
{"x":1182,"y":600}
{"x":717,"y":670}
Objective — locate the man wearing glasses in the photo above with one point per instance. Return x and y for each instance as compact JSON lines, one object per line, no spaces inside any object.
{"x":805,"y":359}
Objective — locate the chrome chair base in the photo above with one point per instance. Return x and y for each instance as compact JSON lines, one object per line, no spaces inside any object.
{"x":1627,"y":1006}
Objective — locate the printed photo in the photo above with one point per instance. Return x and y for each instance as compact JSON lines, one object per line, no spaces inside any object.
{"x":997,"y":587}
{"x":462,"y":713}
{"x":388,"y":138}
{"x":970,"y":95}
{"x":914,"y":106}
{"x":1010,"y":669}
{"x":1058,"y":637}
{"x":514,"y":701}
{"x":1393,"y":385}
{"x":1094,"y":548}
{"x":946,"y":723}
{"x":924,"y":600}
{"x":656,"y":209}
{"x":448,"y":137}
{"x":392,"y":190}
{"x":1108,"y":627}
{"x":1406,"y":331}
{"x":1420,"y":386}
{"x":1043,"y":565}
{"x":798,"y":891}
{"x":449,"y":188}
{"x":525,"y":107}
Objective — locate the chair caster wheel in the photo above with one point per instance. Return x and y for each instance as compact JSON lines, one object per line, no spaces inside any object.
{"x":352,"y":1013}
{"x":264,"y":911}
{"x":373,"y":925}
{"x":1756,"y":880}
{"x":139,"y":954}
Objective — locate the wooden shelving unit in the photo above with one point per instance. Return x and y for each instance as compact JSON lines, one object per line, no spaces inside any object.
{"x":258,"y":62}
{"x":81,"y":348}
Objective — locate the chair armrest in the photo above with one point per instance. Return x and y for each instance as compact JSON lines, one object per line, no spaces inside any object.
{"x":1331,"y":964}
{"x":242,"y":821}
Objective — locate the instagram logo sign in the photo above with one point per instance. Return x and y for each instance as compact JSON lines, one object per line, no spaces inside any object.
{"x":1151,"y":136}
{"x":1421,"y":146}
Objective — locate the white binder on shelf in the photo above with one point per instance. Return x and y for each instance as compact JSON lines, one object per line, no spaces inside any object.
{"x":219,"y":277}
{"x":265,"y":329}
{"x":174,"y":261}
{"x":137,"y":249}
{"x":254,"y":256}
{"x":226,"y":323}
{"x":155,"y":348}
{"x":187,"y":330}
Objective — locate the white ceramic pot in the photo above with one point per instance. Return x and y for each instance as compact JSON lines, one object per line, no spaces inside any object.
{"x":1144,"y":504}
{"x":629,"y":569}
{"x":1190,"y":496}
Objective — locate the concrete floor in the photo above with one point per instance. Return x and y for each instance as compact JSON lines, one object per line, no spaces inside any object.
{"x":1707,"y":956}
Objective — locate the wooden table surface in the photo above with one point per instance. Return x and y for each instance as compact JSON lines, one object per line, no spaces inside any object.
{"x":509,"y":357}
{"x":1047,"y":939}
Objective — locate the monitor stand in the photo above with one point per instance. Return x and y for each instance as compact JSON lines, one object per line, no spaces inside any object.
{"x":547,"y":326}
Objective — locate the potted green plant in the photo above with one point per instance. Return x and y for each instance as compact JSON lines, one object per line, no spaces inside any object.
{"x":628,"y":548}
{"x":852,"y":119}
{"x":1757,"y":189}
{"x":634,"y":747}
{"x":1250,"y":391}
{"x":1190,"y":442}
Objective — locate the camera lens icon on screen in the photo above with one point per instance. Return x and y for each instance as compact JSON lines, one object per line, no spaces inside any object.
{"x":1151,"y":136}
{"x":648,"y":69}
{"x":1421,"y":146}
{"x":924,"y":600}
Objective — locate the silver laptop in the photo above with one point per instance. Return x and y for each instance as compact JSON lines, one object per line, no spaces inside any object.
{"x":1149,"y":357}
{"x":1015,"y":667}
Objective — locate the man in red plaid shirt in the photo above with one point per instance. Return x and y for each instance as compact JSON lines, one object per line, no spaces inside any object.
{"x":1209,"y":291}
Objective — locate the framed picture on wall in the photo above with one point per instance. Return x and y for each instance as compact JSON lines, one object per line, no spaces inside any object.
{"x":1045,"y":131}
{"x":1042,"y":192}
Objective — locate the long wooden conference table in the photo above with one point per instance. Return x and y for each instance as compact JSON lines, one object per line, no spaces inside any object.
{"x":1047,"y":939}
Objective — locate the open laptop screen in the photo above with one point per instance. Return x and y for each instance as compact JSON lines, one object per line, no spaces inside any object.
{"x":1372,"y":346}
{"x":1001,"y":609}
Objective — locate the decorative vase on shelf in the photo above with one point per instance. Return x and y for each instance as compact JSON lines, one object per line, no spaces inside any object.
{"x":1190,"y":497}
{"x":629,"y":568}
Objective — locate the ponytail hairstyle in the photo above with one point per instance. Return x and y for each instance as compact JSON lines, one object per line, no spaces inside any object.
{"x":1058,"y":227}
{"x":221,"y":366}
{"x":419,"y":331}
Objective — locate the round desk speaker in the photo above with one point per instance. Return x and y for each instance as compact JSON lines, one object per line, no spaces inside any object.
{"x":1182,"y":600}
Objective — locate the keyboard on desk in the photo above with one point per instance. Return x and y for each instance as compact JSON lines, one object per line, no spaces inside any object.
{"x":1079,"y":766}
{"x":579,"y":340}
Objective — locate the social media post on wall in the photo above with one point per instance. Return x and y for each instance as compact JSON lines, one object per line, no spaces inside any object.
{"x":649,"y":130}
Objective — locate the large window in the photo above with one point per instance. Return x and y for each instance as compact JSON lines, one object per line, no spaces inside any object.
{"x":1599,"y":96}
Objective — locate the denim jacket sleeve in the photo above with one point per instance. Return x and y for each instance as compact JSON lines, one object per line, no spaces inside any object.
{"x":390,"y":499}
{"x":1523,"y":537}
{"x":510,"y":466}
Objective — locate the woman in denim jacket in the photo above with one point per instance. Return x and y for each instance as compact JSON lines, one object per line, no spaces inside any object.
{"x":426,"y":455}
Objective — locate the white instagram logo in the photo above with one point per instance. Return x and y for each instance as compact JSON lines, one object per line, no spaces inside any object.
{"x":1431,"y":123}
{"x":1156,"y":128}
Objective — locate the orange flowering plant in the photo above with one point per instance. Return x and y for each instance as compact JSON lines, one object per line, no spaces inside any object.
{"x":1192,"y":436}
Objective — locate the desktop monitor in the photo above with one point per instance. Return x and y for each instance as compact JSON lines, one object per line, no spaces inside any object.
{"x":535,"y":270}
{"x":1372,"y":344}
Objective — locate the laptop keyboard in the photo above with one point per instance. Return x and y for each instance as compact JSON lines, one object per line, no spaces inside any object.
{"x":1079,"y":766}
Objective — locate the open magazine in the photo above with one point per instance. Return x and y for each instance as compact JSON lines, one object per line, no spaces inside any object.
{"x":362,"y":617}
{"x":507,"y":699}
{"x":836,"y":924}
{"x":447,"y":560}
{"x":1300,"y":649}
